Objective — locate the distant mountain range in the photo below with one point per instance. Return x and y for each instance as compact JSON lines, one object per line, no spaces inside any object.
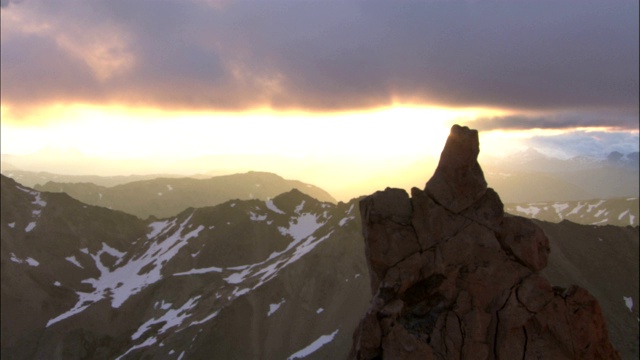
{"x":530,"y":176}
{"x":282,"y":278}
{"x":620,"y":212}
{"x":33,"y":178}
{"x":164,"y":197}
{"x":527,"y":176}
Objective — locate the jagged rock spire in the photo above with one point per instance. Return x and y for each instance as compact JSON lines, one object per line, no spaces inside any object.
{"x":453,"y":277}
{"x":458,"y":180}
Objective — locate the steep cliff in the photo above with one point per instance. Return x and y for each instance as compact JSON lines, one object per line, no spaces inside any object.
{"x":453,"y":277}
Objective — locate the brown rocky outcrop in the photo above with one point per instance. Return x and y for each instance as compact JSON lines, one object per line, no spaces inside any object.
{"x":453,"y":277}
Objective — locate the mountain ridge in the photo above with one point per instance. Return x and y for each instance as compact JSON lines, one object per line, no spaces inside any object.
{"x":165,"y":197}
{"x":224,"y":279}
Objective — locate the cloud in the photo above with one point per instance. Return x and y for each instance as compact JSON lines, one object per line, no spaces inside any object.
{"x":321,"y":56}
{"x":5,"y":3}
{"x":559,"y":120}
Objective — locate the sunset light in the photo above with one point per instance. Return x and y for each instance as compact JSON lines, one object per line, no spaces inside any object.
{"x":286,"y":179}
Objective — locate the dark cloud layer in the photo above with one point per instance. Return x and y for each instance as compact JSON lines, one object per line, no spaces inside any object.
{"x":325,"y":56}
{"x":559,"y":120}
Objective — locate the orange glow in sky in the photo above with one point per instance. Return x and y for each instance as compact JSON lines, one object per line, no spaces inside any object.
{"x":348,"y":153}
{"x":341,"y":152}
{"x":119,"y":132}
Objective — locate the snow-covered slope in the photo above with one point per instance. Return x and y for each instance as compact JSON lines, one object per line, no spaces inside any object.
{"x":168,"y":288}
{"x":253,"y":279}
{"x":620,"y":211}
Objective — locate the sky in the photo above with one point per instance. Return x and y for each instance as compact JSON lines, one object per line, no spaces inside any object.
{"x":361,"y":85}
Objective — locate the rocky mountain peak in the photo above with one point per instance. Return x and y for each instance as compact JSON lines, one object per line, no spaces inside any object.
{"x":453,"y":277}
{"x":458,"y":180}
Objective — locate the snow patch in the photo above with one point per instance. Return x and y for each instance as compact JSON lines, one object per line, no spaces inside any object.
{"x":237,"y":278}
{"x":239,"y":292}
{"x":150,"y":341}
{"x":314,"y":346}
{"x":38,"y":200}
{"x":130,"y":278}
{"x":274,"y":307}
{"x":162,"y":305}
{"x":199,"y":322}
{"x":320,"y":310}
{"x":576,"y":209}
{"x":350,"y":209}
{"x":344,"y":221}
{"x":169,"y":187}
{"x":159,"y":227}
{"x":628,"y":301}
{"x":29,"y":261}
{"x":255,"y":217}
{"x":593,"y":206}
{"x":57,"y":283}
{"x":301,"y":227}
{"x":199,"y":271}
{"x":30,"y":226}
{"x":271,"y":206}
{"x":560,"y":208}
{"x":113,"y":252}
{"x":72,"y":259}
{"x":11,"y":225}
{"x":529,"y":211}
{"x":172,"y":318}
{"x":600,"y":212}
{"x":623,"y":214}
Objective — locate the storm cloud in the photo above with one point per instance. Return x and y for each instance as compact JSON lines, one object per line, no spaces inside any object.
{"x":571,"y":56}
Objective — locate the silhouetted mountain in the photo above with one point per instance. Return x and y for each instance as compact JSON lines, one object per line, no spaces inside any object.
{"x":164,"y":197}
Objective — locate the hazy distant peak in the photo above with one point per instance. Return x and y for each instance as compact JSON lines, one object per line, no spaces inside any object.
{"x":614,"y":156}
{"x":5,"y":166}
{"x":530,"y":154}
{"x":59,"y":152}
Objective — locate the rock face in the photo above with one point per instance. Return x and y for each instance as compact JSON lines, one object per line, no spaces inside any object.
{"x":453,"y":277}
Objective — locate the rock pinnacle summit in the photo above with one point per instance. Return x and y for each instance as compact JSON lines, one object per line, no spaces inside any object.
{"x":454,"y":277}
